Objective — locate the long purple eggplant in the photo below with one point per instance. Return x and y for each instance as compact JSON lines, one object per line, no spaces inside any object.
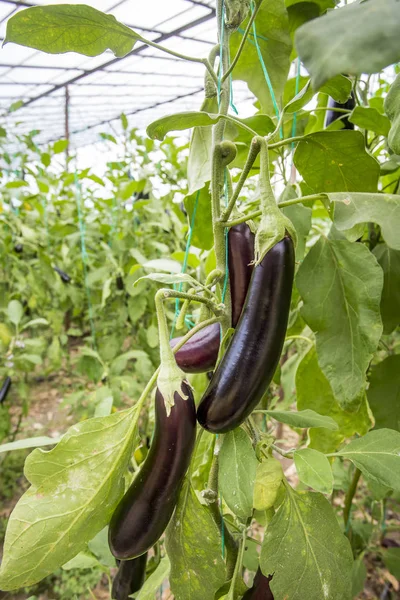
{"x":5,"y":388}
{"x":144,"y":512}
{"x":260,"y":589}
{"x":129,"y":578}
{"x":248,"y":365}
{"x":200,"y":353}
{"x":332,"y":115}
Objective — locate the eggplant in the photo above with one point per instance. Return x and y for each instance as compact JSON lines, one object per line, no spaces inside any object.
{"x":260,"y":589}
{"x":144,"y":512}
{"x":332,"y":116}
{"x":5,"y":388}
{"x":18,"y":248}
{"x":63,"y":276}
{"x":120,"y":283}
{"x":250,"y":361}
{"x":200,"y":353}
{"x":129,"y":578}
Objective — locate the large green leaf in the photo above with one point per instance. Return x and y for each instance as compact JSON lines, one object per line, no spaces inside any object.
{"x":202,"y":235}
{"x":194,"y":548}
{"x":377,"y":454}
{"x":389,"y":260}
{"x":391,"y":558}
{"x":370,"y":118}
{"x":70,"y":28}
{"x":328,"y":45}
{"x":268,"y":480}
{"x":336,"y":161}
{"x":351,"y":209}
{"x":314,"y":392}
{"x":273,"y":38}
{"x":303,"y":418}
{"x":74,"y":490}
{"x":392,"y":109}
{"x":199,"y":162}
{"x":314,"y":470}
{"x":343,"y":309}
{"x":384,"y":393}
{"x":305,"y":550}
{"x":155,"y":581}
{"x":237,"y":472}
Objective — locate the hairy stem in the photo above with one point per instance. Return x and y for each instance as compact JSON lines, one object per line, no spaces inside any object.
{"x":349,"y":499}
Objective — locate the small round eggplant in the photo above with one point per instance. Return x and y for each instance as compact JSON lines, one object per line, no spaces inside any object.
{"x":5,"y":388}
{"x":332,"y":115}
{"x":248,"y":365}
{"x":129,"y":578}
{"x":260,"y":589}
{"x":18,"y":248}
{"x":65,"y":278}
{"x":144,"y":512}
{"x":200,"y":353}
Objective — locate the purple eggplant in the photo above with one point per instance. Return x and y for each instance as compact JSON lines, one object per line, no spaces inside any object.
{"x":332,"y":115}
{"x":248,"y":365}
{"x":200,"y":353}
{"x":144,"y":512}
{"x":260,"y":589}
{"x":129,"y":578}
{"x":5,"y":388}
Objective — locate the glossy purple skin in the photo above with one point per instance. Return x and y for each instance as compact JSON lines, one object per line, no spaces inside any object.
{"x":129,"y":578}
{"x":248,"y":365}
{"x":200,"y":353}
{"x":5,"y":388}
{"x":144,"y":512}
{"x":240,"y":257}
{"x":260,"y":589}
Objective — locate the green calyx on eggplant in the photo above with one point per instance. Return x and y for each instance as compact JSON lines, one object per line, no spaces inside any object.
{"x":65,"y":278}
{"x":260,"y":589}
{"x":200,"y":353}
{"x":144,"y":512}
{"x":5,"y":388}
{"x":129,"y":578}
{"x":332,"y":115}
{"x":248,"y":365}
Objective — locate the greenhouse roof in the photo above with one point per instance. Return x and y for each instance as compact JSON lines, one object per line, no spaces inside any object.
{"x":79,"y":97}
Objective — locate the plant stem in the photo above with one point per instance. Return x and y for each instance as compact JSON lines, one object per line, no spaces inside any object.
{"x":238,"y":566}
{"x":291,"y":140}
{"x":349,"y":499}
{"x":167,"y":294}
{"x":331,"y":108}
{"x":253,"y":153}
{"x":242,"y":43}
{"x":286,"y":454}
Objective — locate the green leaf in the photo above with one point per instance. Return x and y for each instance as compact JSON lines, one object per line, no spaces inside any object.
{"x":343,"y":310}
{"x":70,"y":28}
{"x":164,"y":264}
{"x":203,"y":232}
{"x":194,"y":548}
{"x":314,"y":470}
{"x":237,"y":472}
{"x":83,"y":560}
{"x":269,"y":475}
{"x":336,"y":161}
{"x":391,"y":558}
{"x":169,"y":279}
{"x":351,"y":209}
{"x":35,"y":323}
{"x":303,"y":418}
{"x":100,"y":548}
{"x":327,"y":46}
{"x":359,"y":576}
{"x":106,"y":292}
{"x":201,"y":461}
{"x":392,"y":109}
{"x":389,"y":261}
{"x":300,"y":216}
{"x":314,"y":392}
{"x":377,"y":454}
{"x":136,"y":308}
{"x":384,"y":393}
{"x":275,"y":45}
{"x":200,"y":156}
{"x":60,"y":146}
{"x":15,"y":312}
{"x":370,"y":118}
{"x":35,"y":442}
{"x":306,"y":551}
{"x":74,"y":490}
{"x":155,"y":581}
